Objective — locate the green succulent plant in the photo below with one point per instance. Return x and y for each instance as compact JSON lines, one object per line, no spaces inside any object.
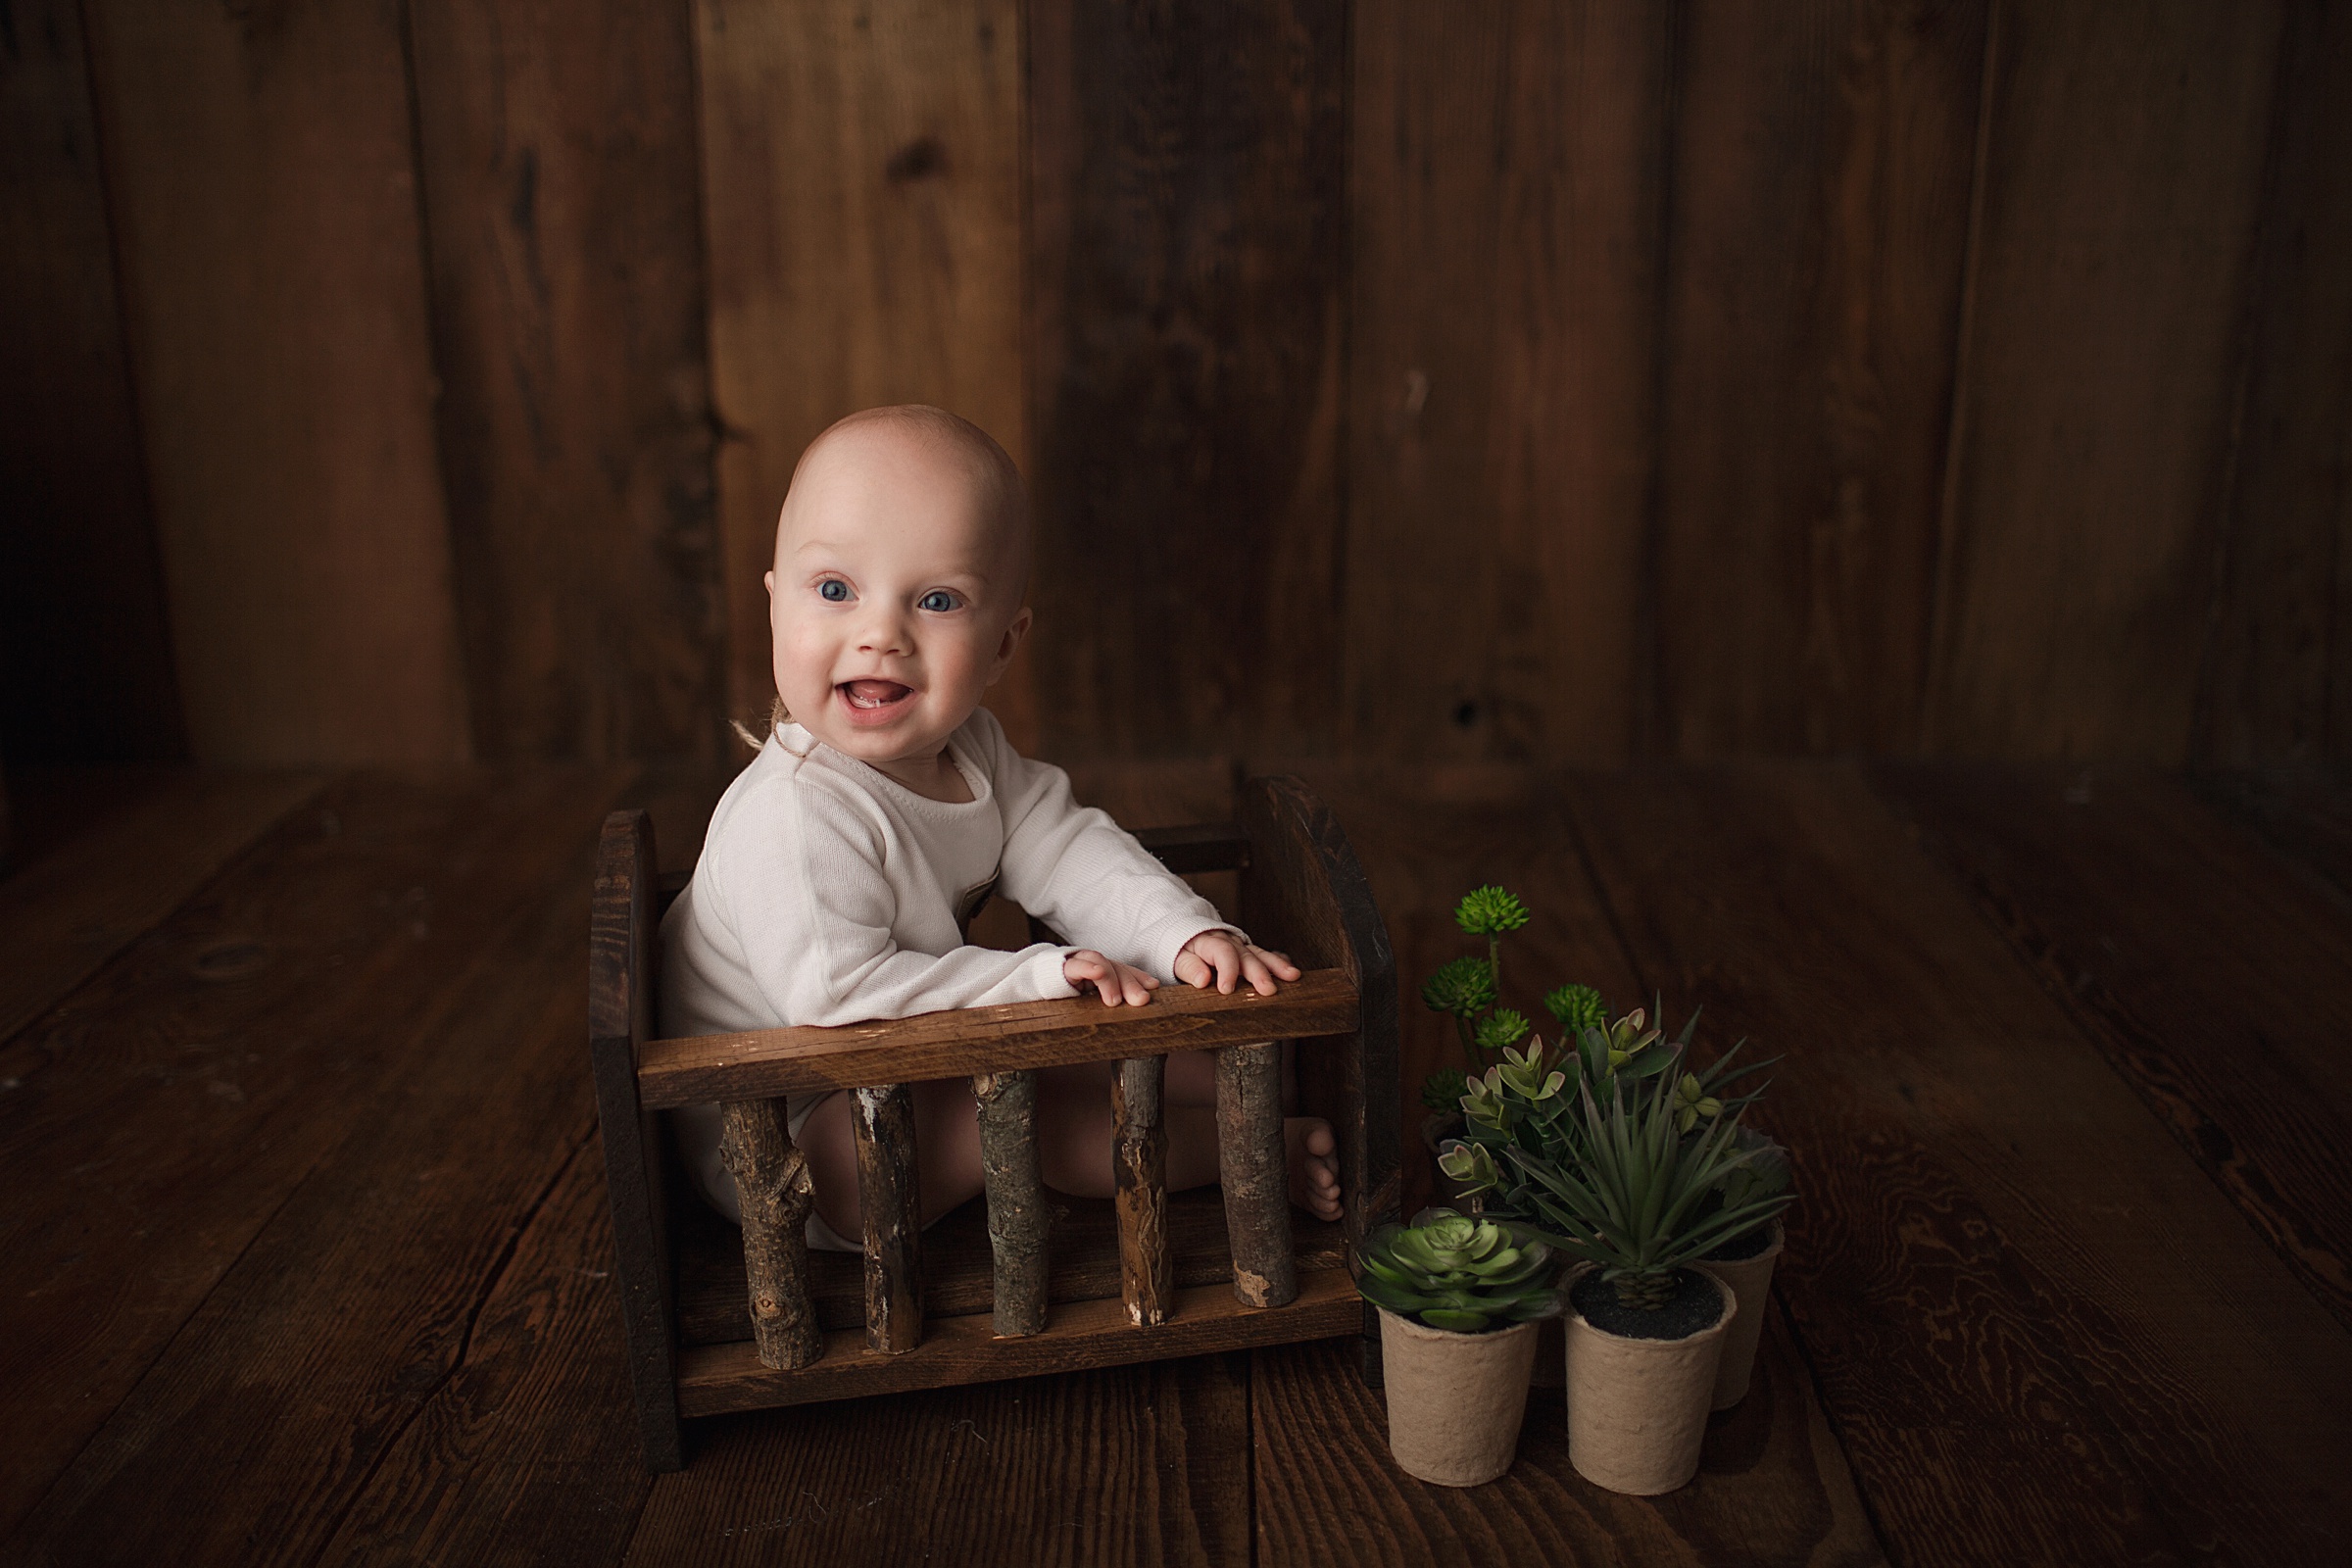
{"x":1577,"y":1009}
{"x":1489,"y":912}
{"x":1443,"y":1089}
{"x":1454,"y":1272}
{"x":1633,"y":1194}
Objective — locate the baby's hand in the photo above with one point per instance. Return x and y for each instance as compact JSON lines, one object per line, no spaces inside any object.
{"x":1111,"y":979}
{"x":1215,"y":958}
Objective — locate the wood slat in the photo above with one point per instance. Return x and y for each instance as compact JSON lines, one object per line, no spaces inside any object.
{"x":2305,"y":813}
{"x":311,"y":1174}
{"x":1139,"y":1156}
{"x":1017,"y":1216}
{"x":2216,"y":985}
{"x":1507,"y":169}
{"x":776,"y":1194}
{"x":1185,"y":350}
{"x":86,"y":652}
{"x":862,"y":197}
{"x":2276,"y":684}
{"x":1996,"y":1257}
{"x":2122,"y":163}
{"x":1771,"y":1486}
{"x":263,"y":198}
{"x":1017,"y":1035}
{"x":1251,"y":1171}
{"x":1145,"y":1464}
{"x":556,"y":144}
{"x":882,"y":1125}
{"x":66,"y":915}
{"x":1825,"y":153}
{"x":718,"y":1378}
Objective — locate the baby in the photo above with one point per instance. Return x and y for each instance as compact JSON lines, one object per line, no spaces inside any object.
{"x":842,"y":867}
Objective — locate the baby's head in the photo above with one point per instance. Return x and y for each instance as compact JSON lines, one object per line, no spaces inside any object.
{"x":896,"y":598}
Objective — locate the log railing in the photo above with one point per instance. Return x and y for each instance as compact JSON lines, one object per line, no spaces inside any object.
{"x":750,"y":1073}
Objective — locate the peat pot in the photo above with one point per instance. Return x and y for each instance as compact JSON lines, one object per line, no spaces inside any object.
{"x":1750,"y":1281}
{"x":1637,"y":1406}
{"x":1455,"y":1401}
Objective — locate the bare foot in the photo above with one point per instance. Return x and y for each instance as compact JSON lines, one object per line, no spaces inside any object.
{"x":1314,"y":1161}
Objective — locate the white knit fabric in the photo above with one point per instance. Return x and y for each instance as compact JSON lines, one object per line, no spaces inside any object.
{"x":827,"y":893}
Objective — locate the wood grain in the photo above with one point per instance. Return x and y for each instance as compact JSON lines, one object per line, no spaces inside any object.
{"x":301,"y":1176}
{"x":1507,"y":166}
{"x":861,"y":202}
{"x":1997,"y":1257}
{"x":2305,"y":814}
{"x":1184,"y":344}
{"x":1159,"y":1474}
{"x":1139,"y":1154}
{"x":1013,"y":1035}
{"x":2123,"y":176}
{"x":85,"y":654}
{"x":2276,"y":680}
{"x":1771,"y":1486}
{"x":263,"y":198}
{"x":1824,"y":157}
{"x":526,"y":1450}
{"x":66,"y":914}
{"x":718,"y":1378}
{"x":882,"y":1125}
{"x":1251,"y":1172}
{"x":774,"y":1190}
{"x":1018,"y":1217}
{"x":557,"y":143}
{"x":2216,"y":985}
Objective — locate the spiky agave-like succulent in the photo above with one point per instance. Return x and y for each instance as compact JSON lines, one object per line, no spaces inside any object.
{"x":1640,"y":1198}
{"x":1454,"y":1272}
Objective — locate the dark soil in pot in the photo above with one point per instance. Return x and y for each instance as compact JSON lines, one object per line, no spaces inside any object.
{"x":1740,"y":1247}
{"x":1695,"y":1307}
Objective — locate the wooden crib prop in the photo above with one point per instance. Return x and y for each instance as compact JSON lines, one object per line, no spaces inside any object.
{"x":1027,"y":1289}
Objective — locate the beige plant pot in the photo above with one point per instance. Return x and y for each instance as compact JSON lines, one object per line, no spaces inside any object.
{"x":1455,"y":1401}
{"x":1750,"y":1281}
{"x":1638,"y":1409}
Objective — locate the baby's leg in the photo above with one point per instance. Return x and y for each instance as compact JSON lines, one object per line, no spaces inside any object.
{"x":946,"y":1137}
{"x":1074,"y":1134}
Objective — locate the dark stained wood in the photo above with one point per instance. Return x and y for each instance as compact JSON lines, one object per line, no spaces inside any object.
{"x":718,"y":1378}
{"x":1016,"y":1198}
{"x":890,"y":1202}
{"x":980,"y":1475}
{"x":1995,"y":1255}
{"x":2216,"y":986}
{"x":776,"y":1193}
{"x":527,"y":1451}
{"x":2123,"y":160}
{"x":998,"y":1039}
{"x":263,"y":195}
{"x":861,"y":177}
{"x":556,"y":144}
{"x":2305,"y":813}
{"x":426,"y":1094}
{"x":1253,"y":1173}
{"x":1771,"y":1486}
{"x":68,"y":912}
{"x":1824,"y":155}
{"x":213,"y":1065}
{"x":2276,"y":680}
{"x":1185,"y":345}
{"x":1139,"y":1164}
{"x":958,"y":1267}
{"x":86,"y":651}
{"x":1507,"y":169}
{"x":1209,"y":847}
{"x":620,"y":1012}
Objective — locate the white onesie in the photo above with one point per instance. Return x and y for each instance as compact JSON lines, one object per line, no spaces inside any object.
{"x":828,"y":893}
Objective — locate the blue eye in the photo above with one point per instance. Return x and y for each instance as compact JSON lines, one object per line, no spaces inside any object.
{"x":834,"y":590}
{"x":938,"y":601}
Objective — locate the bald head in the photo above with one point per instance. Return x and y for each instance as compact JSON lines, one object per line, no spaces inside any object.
{"x":916,"y":445}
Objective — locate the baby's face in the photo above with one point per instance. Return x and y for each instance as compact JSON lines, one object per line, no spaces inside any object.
{"x":895,"y":600}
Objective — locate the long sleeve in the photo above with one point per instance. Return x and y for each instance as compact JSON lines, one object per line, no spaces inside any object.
{"x":1080,"y":872}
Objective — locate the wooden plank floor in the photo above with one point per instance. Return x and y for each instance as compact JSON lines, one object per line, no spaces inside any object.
{"x":308,"y":1260}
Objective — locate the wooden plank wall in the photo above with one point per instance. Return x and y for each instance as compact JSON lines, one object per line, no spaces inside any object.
{"x":1553,"y":380}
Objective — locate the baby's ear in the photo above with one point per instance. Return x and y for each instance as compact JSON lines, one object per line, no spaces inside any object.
{"x":1010,"y":643}
{"x":770,"y":581}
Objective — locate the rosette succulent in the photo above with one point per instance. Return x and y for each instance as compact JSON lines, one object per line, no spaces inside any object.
{"x":1454,"y":1272}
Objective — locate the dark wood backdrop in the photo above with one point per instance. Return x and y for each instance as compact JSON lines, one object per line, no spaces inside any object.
{"x":409,"y":380}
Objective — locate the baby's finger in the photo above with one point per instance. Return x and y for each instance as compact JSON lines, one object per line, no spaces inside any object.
{"x":1194,"y":972}
{"x":1279,"y":962}
{"x":1254,"y":970}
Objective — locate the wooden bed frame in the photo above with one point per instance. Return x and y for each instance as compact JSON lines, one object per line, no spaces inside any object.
{"x":1024,"y":1281}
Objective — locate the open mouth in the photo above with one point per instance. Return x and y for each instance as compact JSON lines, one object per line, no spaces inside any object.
{"x":869,"y":700}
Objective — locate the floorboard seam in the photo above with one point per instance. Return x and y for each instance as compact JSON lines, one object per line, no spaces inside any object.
{"x":492,"y":1278}
{"x":163,"y":1345}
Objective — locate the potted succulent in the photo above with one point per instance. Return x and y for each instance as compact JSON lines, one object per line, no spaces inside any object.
{"x":1644,"y":1195}
{"x":1469,"y":991}
{"x":1459,"y":1299}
